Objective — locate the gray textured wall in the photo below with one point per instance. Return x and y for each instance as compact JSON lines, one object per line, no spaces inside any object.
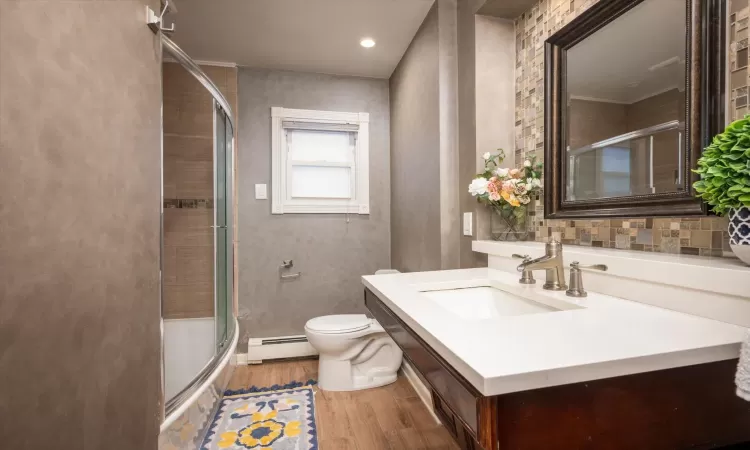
{"x":331,"y":253}
{"x":425,"y":225}
{"x":80,"y":183}
{"x":415,"y":155}
{"x":467,"y":122}
{"x":450,"y":214}
{"x":486,"y":109}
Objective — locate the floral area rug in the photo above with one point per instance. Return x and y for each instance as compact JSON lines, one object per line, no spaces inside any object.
{"x":277,"y":418}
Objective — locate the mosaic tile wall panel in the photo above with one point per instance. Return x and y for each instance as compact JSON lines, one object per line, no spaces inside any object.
{"x":692,"y":236}
{"x":739,"y":76}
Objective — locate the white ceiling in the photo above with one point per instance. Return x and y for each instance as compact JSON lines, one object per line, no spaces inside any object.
{"x":613,"y":63}
{"x":319,"y":36}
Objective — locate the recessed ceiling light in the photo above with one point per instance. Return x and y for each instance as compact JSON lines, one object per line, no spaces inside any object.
{"x":367,"y":43}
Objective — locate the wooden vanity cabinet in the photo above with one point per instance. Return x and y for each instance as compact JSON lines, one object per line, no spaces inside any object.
{"x":455,"y":400}
{"x":693,"y":407}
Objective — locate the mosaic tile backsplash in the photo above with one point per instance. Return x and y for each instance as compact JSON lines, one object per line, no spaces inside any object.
{"x":705,"y":236}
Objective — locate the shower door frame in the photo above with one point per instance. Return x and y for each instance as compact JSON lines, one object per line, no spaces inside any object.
{"x":221,"y":349}
{"x":228,"y":162}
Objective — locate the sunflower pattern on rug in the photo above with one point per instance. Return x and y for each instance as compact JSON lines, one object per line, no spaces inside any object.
{"x":277,"y":418}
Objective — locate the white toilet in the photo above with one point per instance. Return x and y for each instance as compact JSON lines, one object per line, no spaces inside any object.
{"x":355,"y":352}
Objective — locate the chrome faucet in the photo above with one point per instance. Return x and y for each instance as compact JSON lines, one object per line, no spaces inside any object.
{"x":552,"y":262}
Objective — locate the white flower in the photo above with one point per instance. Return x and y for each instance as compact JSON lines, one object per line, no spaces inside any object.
{"x":521,"y":189}
{"x":533,"y":183}
{"x":527,"y":163}
{"x":501,"y":172}
{"x":478,"y":186}
{"x":486,"y":156}
{"x":525,"y":199}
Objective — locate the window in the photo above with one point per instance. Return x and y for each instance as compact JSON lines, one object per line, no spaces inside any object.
{"x":615,"y":170}
{"x":320,"y":162}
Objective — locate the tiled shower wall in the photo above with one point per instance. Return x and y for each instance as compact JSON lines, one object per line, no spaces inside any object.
{"x":188,"y":189}
{"x":693,"y":236}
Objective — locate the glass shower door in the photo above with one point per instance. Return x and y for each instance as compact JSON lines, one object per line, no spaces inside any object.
{"x":224,"y":254}
{"x":197,"y":234}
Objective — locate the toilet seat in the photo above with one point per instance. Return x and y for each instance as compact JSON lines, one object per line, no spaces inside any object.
{"x":338,"y":324}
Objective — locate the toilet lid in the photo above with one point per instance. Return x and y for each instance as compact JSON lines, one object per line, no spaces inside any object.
{"x":340,"y":323}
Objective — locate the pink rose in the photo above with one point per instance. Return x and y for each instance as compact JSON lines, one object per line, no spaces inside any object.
{"x":494,"y":196}
{"x":492,"y":185}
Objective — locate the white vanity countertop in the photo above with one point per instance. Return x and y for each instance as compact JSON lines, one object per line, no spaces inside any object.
{"x":607,"y":337}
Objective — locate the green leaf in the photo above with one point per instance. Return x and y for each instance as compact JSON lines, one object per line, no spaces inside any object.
{"x":724,"y":168}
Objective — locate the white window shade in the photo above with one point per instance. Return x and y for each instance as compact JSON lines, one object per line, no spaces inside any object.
{"x":320,"y":162}
{"x":321,"y":182}
{"x":327,"y":146}
{"x":320,"y":126}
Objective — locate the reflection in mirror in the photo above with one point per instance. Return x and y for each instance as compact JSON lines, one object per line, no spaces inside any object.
{"x":626,"y":105}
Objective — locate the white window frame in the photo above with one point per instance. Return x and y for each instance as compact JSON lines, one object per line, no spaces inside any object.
{"x":281,"y":201}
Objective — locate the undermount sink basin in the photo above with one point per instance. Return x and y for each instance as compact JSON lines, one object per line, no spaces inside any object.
{"x":487,"y":302}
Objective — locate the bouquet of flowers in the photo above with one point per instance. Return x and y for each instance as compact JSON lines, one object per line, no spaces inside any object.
{"x":507,"y":191}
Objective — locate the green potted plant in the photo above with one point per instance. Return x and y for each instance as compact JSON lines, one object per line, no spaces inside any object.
{"x":508,"y":192}
{"x":724,"y":168}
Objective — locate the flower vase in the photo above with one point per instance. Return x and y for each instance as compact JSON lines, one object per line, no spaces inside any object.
{"x":739,"y":233}
{"x":508,"y":223}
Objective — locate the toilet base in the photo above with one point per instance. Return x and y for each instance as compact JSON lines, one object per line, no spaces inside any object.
{"x":365,"y":382}
{"x":338,"y":376}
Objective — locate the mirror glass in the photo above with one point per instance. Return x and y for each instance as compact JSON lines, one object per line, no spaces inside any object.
{"x":625,"y":91}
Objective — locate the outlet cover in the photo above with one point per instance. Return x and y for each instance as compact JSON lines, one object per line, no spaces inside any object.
{"x":468,"y":224}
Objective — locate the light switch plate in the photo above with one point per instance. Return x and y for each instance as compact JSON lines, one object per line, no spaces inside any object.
{"x":261,"y":192}
{"x":468,"y":224}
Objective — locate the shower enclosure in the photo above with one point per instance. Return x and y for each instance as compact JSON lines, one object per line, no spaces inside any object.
{"x":199,"y":327}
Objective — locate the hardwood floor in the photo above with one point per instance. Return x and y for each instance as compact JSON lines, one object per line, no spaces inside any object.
{"x":387,"y":418}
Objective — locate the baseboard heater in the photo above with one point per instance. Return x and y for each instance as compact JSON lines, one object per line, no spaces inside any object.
{"x":264,"y":349}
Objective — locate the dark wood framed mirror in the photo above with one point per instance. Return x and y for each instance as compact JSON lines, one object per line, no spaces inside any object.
{"x":634,"y":90}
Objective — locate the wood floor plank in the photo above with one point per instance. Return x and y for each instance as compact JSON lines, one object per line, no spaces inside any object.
{"x":391,"y":417}
{"x":365,"y":426}
{"x":438,"y":438}
{"x":413,"y":439}
{"x":338,"y":444}
{"x":389,"y":414}
{"x":402,"y":388}
{"x":420,"y":417}
{"x":331,"y":416}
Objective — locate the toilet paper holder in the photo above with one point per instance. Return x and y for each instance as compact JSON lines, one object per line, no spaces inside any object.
{"x":286,"y":265}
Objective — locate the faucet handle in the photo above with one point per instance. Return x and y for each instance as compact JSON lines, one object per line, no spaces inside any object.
{"x":576,"y":280}
{"x":577,"y":265}
{"x":527,"y":276}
